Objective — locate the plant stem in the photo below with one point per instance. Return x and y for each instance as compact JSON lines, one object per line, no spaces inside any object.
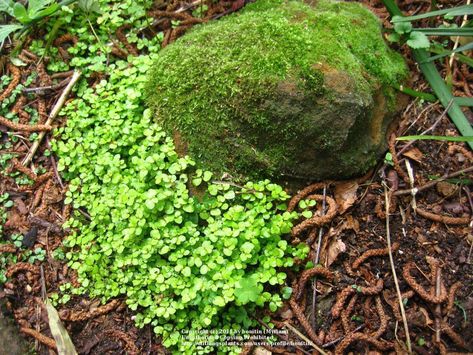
{"x":393,"y":270}
{"x":57,"y":107}
{"x":96,"y":37}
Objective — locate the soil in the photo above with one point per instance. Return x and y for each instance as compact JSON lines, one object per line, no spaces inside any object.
{"x":433,"y":232}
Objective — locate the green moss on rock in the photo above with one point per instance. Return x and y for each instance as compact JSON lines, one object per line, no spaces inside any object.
{"x":280,"y":88}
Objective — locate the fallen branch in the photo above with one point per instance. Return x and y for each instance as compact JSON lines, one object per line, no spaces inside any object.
{"x":57,"y":107}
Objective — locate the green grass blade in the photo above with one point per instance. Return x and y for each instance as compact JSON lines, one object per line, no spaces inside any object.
{"x":457,"y":11}
{"x":443,"y":93}
{"x":393,"y":9}
{"x":461,"y":12}
{"x":461,"y":57}
{"x":436,"y":138}
{"x":464,"y":101}
{"x":436,"y":82}
{"x":419,"y":94}
{"x":466,"y":47}
{"x":464,"y":31}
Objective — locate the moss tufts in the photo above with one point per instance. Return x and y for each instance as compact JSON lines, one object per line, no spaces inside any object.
{"x":217,"y":85}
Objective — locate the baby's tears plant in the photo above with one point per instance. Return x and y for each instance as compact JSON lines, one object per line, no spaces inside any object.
{"x":181,"y":262}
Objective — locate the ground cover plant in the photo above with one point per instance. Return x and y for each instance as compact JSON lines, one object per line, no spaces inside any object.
{"x":182,"y":263}
{"x":164,"y":243}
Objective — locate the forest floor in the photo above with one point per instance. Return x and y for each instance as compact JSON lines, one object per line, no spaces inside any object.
{"x":432,"y":246}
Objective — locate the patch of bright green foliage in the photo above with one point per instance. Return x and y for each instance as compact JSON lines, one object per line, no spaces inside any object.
{"x":92,"y":52}
{"x":181,"y":262}
{"x":224,"y":77}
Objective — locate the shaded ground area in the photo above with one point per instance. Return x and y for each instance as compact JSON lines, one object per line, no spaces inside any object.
{"x":354,"y":302}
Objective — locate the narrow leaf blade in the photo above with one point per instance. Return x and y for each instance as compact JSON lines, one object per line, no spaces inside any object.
{"x":63,"y":341}
{"x":457,"y":11}
{"x":436,"y":138}
{"x":443,"y":92}
{"x":464,"y":101}
{"x":464,"y":48}
{"x":465,"y":31}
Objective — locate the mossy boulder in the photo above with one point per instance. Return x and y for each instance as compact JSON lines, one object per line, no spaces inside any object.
{"x":280,"y":89}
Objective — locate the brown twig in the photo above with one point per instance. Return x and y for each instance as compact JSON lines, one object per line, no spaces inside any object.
{"x":438,"y":309}
{"x":387,"y":196}
{"x":433,"y":183}
{"x":43,"y":89}
{"x":444,"y":113}
{"x":57,"y":107}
